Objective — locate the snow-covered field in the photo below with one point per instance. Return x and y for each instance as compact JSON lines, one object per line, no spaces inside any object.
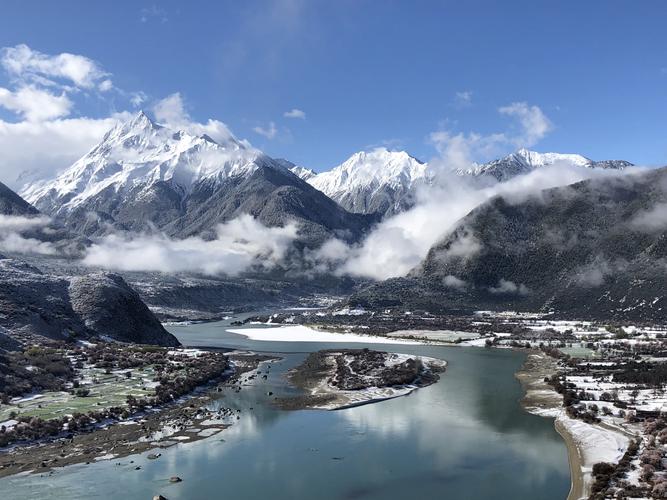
{"x":300,"y":333}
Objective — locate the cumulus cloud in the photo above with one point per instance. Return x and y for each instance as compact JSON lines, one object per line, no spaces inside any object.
{"x":507,"y":287}
{"x":13,"y":239}
{"x":462,"y":150}
{"x":534,"y":124}
{"x":240,"y":244}
{"x":44,"y":139}
{"x":269,"y":132}
{"x":295,"y":113}
{"x":28,"y":65}
{"x":35,"y":150}
{"x":34,"y":104}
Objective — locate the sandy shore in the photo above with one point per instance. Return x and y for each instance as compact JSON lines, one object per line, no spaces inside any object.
{"x":578,"y":488}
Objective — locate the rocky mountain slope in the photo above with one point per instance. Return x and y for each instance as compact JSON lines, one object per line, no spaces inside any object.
{"x":36,"y":306}
{"x":144,"y":176}
{"x":597,"y":248}
{"x":12,"y":204}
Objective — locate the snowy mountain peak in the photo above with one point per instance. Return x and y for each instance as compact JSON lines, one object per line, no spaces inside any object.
{"x":536,"y":159}
{"x":373,"y":181}
{"x":524,"y":161}
{"x":376,"y":168}
{"x":140,"y":153}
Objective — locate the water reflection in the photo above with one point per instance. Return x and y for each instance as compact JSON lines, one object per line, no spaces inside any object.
{"x":464,"y":437}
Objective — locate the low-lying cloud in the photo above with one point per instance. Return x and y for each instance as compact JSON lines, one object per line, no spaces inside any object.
{"x":507,"y":287}
{"x":401,"y":242}
{"x":239,"y":245}
{"x":13,"y":237}
{"x":652,"y":220}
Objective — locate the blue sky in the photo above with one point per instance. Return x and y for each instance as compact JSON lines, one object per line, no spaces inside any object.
{"x":368,"y":73}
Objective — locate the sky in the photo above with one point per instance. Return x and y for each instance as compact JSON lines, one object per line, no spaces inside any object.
{"x":315,"y":81}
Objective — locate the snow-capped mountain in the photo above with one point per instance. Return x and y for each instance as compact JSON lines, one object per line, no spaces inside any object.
{"x":141,"y":153}
{"x":377,"y":181}
{"x":143,"y":176}
{"x":525,"y":161}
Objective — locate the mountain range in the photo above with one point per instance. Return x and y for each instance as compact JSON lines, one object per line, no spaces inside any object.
{"x":594,"y":249}
{"x":524,"y":161}
{"x":143,"y":176}
{"x":573,"y":249}
{"x":387,"y":182}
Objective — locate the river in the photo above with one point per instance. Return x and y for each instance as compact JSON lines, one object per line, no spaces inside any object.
{"x":465,"y":437}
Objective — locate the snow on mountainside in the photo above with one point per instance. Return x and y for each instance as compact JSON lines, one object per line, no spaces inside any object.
{"x":385,"y":182}
{"x":301,"y":172}
{"x":524,"y":161}
{"x":145,"y":177}
{"x":141,"y":152}
{"x":378,"y":181}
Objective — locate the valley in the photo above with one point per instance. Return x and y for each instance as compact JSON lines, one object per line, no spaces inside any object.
{"x":168,"y":292}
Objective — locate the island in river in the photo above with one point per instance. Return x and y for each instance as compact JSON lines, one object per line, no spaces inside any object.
{"x":342,"y":378}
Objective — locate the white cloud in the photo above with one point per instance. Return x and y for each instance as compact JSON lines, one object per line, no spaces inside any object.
{"x":35,"y":150}
{"x":34,"y":104}
{"x":533,"y":123}
{"x":453,"y":282}
{"x":654,"y":219}
{"x":240,"y":244}
{"x":295,"y":113}
{"x":461,"y":150}
{"x":28,"y":65}
{"x":45,"y":140}
{"x":507,"y":287}
{"x":13,"y":241}
{"x":268,"y":132}
{"x":171,"y":112}
{"x":463,"y":98}
{"x":398,"y":244}
{"x":153,"y":12}
{"x":137,"y":98}
{"x":106,"y":86}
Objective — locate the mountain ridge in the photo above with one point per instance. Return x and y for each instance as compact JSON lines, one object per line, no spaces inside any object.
{"x":143,"y":176}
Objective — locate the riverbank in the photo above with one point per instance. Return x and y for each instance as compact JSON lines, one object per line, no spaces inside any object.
{"x":586,"y":444}
{"x":186,"y":420}
{"x":540,"y":399}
